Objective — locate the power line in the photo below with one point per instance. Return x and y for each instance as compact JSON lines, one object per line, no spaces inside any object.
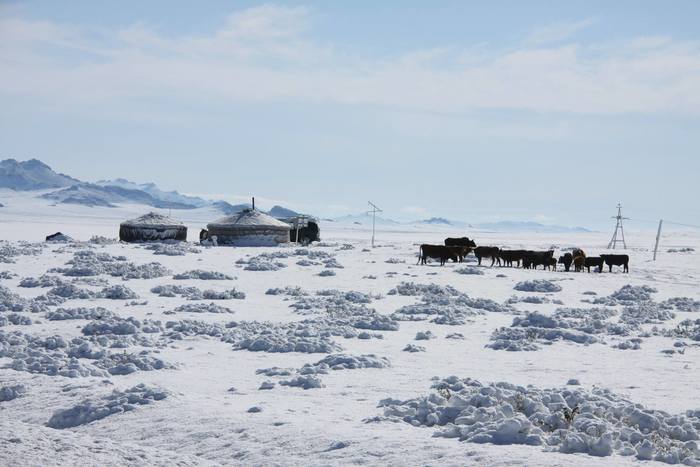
{"x":374,"y":211}
{"x":618,"y":227}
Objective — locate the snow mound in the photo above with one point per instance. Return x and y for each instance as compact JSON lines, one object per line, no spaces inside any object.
{"x":91,"y":263}
{"x":304,"y":337}
{"x":344,"y":362}
{"x":97,"y":313}
{"x":414,"y":348}
{"x":304,"y":382}
{"x":117,"y":292}
{"x":172,"y":248}
{"x":569,"y":420}
{"x":627,"y":295}
{"x":537,"y":285}
{"x":202,"y":308}
{"x":120,"y":327}
{"x":8,"y":393}
{"x":12,"y":302}
{"x":469,"y":270}
{"x":203,"y":275}
{"x":445,"y":305}
{"x":43,"y":281}
{"x":114,"y":403}
{"x":327,"y":273}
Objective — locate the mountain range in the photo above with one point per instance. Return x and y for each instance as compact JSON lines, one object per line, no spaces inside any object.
{"x":35,"y":175}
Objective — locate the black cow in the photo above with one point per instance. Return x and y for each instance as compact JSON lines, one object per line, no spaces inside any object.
{"x":487,"y":252}
{"x":592,"y":261}
{"x":579,"y":263}
{"x":566,"y":259}
{"x":616,"y":260}
{"x":441,"y":252}
{"x":532,"y":259}
{"x":462,"y":241}
{"x":203,"y":235}
{"x":508,"y":257}
{"x":551,"y":264}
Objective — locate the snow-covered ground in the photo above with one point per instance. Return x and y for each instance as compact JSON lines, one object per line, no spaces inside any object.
{"x":217,"y":355}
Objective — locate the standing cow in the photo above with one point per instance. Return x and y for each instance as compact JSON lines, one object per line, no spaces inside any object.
{"x":487,"y":252}
{"x":443,"y":253}
{"x":616,"y":260}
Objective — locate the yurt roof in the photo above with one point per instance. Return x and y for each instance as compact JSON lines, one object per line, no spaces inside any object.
{"x":248,"y":218}
{"x":153,"y":220}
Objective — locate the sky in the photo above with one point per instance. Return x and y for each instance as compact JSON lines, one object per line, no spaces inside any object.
{"x":476,"y":111}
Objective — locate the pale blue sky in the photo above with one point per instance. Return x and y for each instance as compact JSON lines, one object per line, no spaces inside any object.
{"x":549,"y":111}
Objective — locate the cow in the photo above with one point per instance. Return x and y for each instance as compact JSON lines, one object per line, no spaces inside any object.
{"x":566,"y":259}
{"x":578,"y":252}
{"x":203,"y":235}
{"x":592,"y":261}
{"x":617,"y":260}
{"x":462,"y":241}
{"x":487,"y":252}
{"x":508,"y":257}
{"x":441,"y":252}
{"x":579,"y":262}
{"x":551,"y":264}
{"x":532,"y":259}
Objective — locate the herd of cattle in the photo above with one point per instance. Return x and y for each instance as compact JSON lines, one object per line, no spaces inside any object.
{"x":456,"y":249}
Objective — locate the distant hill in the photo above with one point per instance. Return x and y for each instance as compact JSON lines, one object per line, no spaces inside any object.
{"x":364,"y":219}
{"x":31,"y":175}
{"x":279,"y":211}
{"x":228,"y":208}
{"x":92,"y":195}
{"x":154,"y":191}
{"x":527,"y":226}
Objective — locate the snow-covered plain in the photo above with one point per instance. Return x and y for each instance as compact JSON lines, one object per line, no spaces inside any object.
{"x":106,"y":358}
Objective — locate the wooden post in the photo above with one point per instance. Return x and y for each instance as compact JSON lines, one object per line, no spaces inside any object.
{"x":658,"y":235}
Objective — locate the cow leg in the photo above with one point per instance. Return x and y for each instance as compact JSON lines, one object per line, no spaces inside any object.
{"x":479,"y":258}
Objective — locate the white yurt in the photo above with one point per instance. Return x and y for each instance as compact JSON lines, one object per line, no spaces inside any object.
{"x":152,"y":227}
{"x":249,"y":228}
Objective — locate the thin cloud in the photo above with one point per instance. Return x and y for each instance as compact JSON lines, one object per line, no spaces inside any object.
{"x":264,"y":54}
{"x":557,"y":32}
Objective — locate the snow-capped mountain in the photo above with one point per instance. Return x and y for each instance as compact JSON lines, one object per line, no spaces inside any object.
{"x":87,"y":194}
{"x":31,"y":175}
{"x":153,"y":190}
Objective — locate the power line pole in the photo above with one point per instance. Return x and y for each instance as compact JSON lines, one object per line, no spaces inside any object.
{"x":374,"y":211}
{"x":658,"y":235}
{"x":618,"y":227}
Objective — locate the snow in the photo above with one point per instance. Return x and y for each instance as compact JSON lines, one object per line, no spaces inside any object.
{"x":74,"y":344}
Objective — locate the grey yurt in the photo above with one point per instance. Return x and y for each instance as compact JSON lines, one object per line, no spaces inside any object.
{"x":152,"y":227}
{"x":249,"y":228}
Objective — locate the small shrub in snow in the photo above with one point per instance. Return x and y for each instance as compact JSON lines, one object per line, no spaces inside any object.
{"x":117,"y":292}
{"x":7,"y":275}
{"x":202,"y":308}
{"x":255,"y":409}
{"x":537,"y":285}
{"x":304,"y":382}
{"x":327,"y":273}
{"x":231,"y":294}
{"x":455,"y":335}
{"x":470,"y":270}
{"x":333,"y":263}
{"x":395,"y":261}
{"x":414,"y":348}
{"x":118,"y":326}
{"x":424,"y":335}
{"x":114,"y":403}
{"x":266,"y":385}
{"x":203,"y":275}
{"x":336,"y":362}
{"x":43,"y":281}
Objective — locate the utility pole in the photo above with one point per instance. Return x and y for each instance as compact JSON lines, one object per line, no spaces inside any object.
{"x":658,"y":236}
{"x":618,"y":227}
{"x":374,"y":211}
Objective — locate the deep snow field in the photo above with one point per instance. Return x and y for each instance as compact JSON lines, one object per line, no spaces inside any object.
{"x":337,"y":353}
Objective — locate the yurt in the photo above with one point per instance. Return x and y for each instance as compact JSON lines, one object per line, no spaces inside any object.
{"x":249,"y":228}
{"x":152,"y":227}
